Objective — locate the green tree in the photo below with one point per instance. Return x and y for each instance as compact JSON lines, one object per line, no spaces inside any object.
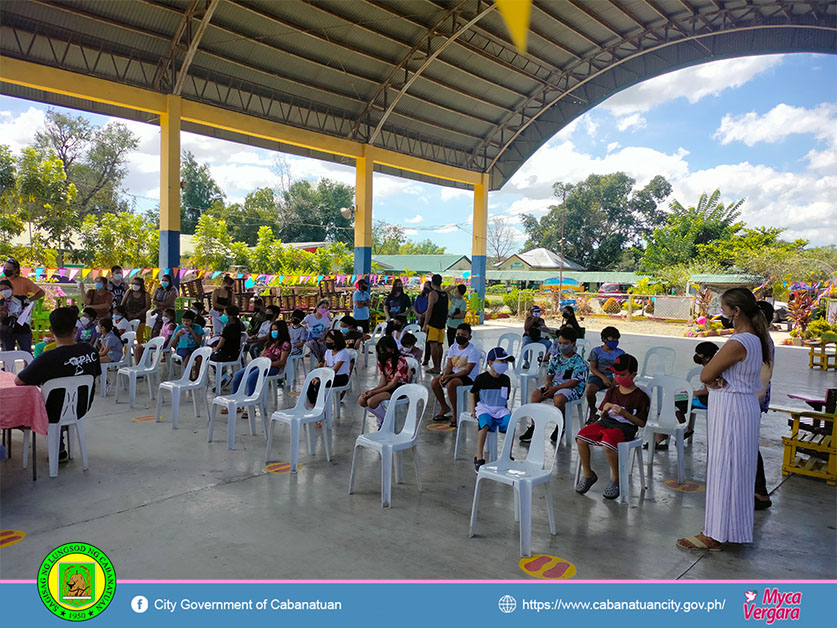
{"x":312,"y":214}
{"x":602,"y":215}
{"x":213,"y":244}
{"x":199,"y":192}
{"x":423,"y":247}
{"x":11,"y":223}
{"x":386,"y":238}
{"x":244,"y":221}
{"x":687,"y":229}
{"x":125,"y":238}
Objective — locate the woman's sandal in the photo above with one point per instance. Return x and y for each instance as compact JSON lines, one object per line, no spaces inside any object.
{"x":695,"y":543}
{"x":441,"y":417}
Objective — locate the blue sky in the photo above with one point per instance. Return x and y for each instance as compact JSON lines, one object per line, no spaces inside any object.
{"x":761,"y":128}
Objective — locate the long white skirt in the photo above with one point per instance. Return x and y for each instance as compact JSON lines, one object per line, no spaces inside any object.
{"x":731,"y":471}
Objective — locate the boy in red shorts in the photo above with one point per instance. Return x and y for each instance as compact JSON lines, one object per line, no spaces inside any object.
{"x":624,"y":410}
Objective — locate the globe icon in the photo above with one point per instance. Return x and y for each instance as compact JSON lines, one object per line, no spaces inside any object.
{"x":507,"y":604}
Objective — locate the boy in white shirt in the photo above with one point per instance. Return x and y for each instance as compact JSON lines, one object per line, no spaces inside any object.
{"x":461,"y":369}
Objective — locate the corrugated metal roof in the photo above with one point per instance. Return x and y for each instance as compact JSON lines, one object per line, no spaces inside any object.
{"x":544,"y":258}
{"x":723,"y":279}
{"x":360,"y":70}
{"x":419,"y":263}
{"x":543,"y":275}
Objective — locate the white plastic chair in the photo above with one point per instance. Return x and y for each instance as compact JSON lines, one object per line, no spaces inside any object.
{"x":692,"y":376}
{"x":234,"y":365}
{"x":665,"y":421}
{"x":421,"y":341}
{"x":377,"y":334}
{"x":510,"y":342}
{"x":186,"y":383}
{"x":134,"y":325}
{"x":657,"y":361}
{"x":147,"y":367}
{"x":299,"y":415}
{"x":69,"y":417}
{"x":627,"y":452}
{"x":412,"y":328}
{"x":128,"y":339}
{"x":582,"y":348}
{"x":523,"y":476}
{"x":240,"y":399}
{"x":292,"y":366}
{"x":491,"y":440}
{"x":9,"y":359}
{"x":335,"y":322}
{"x":531,"y":356}
{"x":337,"y":391}
{"x":387,"y":441}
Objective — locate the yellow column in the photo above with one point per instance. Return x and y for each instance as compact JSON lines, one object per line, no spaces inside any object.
{"x":364,"y":167}
{"x":480,"y":241}
{"x":170,"y":186}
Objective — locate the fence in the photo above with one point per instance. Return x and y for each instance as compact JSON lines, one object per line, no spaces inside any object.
{"x":666,"y":307}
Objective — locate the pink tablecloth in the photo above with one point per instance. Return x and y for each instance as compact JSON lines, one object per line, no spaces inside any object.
{"x":21,"y":405}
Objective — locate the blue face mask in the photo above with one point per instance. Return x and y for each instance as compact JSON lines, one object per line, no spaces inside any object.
{"x":164,"y":284}
{"x":500,"y":367}
{"x":225,"y":319}
{"x":274,"y":333}
{"x":611,"y":344}
{"x":565,"y":349}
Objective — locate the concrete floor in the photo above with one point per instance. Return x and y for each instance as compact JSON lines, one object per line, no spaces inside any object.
{"x":166,"y":504}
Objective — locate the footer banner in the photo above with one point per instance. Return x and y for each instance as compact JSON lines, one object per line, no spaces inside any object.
{"x":80,"y":590}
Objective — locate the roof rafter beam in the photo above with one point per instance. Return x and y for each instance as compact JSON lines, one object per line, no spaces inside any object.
{"x":595,"y":17}
{"x":193,"y":45}
{"x":567,"y":25}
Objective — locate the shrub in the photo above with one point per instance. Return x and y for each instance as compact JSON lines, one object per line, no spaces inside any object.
{"x":496,"y":289}
{"x":819,"y":327}
{"x":524,"y":298}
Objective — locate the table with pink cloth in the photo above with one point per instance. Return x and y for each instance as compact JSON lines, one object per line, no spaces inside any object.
{"x":21,"y":405}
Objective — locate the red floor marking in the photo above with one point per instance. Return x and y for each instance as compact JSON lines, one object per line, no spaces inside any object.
{"x":10,"y":537}
{"x":557,"y":571}
{"x":537,"y":564}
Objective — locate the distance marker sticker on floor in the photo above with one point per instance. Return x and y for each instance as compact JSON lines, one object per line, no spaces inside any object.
{"x":685,"y":487}
{"x":10,"y":537}
{"x":144,"y":418}
{"x":440,"y":427}
{"x":280,"y":467}
{"x":546,"y":567}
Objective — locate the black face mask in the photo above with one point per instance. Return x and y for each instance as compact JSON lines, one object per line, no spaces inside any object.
{"x":461,"y":341}
{"x":727,"y":323}
{"x":698,"y":360}
{"x":329,"y":345}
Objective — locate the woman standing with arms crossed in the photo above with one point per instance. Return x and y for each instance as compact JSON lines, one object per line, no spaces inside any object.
{"x":733,"y":377}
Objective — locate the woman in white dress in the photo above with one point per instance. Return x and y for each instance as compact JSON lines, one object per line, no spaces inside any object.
{"x":733,"y":377}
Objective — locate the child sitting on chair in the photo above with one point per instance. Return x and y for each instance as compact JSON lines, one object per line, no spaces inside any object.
{"x":624,"y":410}
{"x":601,"y":376}
{"x":394,"y":372}
{"x":409,"y":348}
{"x":565,"y":377}
{"x":298,"y":333}
{"x":491,"y":400}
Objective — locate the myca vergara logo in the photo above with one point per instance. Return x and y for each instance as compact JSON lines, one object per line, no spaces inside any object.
{"x":76,"y":581}
{"x":773,"y":606}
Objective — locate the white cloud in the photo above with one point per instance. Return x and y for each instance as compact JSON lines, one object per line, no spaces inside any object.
{"x":633,"y":121}
{"x":18,"y":131}
{"x":695,"y":83}
{"x":779,"y":123}
{"x":449,"y":194}
{"x":416,"y":219}
{"x":613,"y":146}
{"x":232,"y":177}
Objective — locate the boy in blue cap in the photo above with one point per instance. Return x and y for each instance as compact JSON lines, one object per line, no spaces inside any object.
{"x":491,"y":400}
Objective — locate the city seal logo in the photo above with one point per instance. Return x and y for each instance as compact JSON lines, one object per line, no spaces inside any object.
{"x":76,"y":581}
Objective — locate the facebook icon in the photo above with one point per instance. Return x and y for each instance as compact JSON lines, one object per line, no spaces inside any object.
{"x":139,"y":604}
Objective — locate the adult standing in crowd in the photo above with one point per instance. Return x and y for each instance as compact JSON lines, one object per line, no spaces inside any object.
{"x":733,"y":377}
{"x":396,"y":305}
{"x":164,"y":298}
{"x":117,"y":285}
{"x":762,"y":496}
{"x":223,"y":295}
{"x":420,"y":303}
{"x":24,"y":292}
{"x":98,"y":298}
{"x":137,"y":302}
{"x":434,"y":324}
{"x":360,"y":305}
{"x":457,"y":309}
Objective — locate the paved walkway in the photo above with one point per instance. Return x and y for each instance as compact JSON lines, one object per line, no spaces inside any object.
{"x":167,"y":504}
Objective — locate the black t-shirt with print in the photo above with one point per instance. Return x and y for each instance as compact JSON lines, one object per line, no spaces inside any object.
{"x":66,"y":361}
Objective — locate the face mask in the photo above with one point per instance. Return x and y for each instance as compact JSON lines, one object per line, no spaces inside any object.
{"x":624,"y":380}
{"x":565,"y":349}
{"x":166,"y":319}
{"x":117,"y":317}
{"x":225,"y":319}
{"x":500,"y":367}
{"x":7,"y":294}
{"x":99,"y":286}
{"x":136,"y":288}
{"x":329,"y":345}
{"x":461,"y":341}
{"x":274,"y":334}
{"x":8,"y":272}
{"x":85,"y":321}
{"x":397,"y":289}
{"x":344,"y":331}
{"x":727,"y":323}
{"x":611,"y":344}
{"x":698,"y":360}
{"x":323,"y":311}
{"x":117,"y":276}
{"x":164,"y":284}
{"x":536,"y":314}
